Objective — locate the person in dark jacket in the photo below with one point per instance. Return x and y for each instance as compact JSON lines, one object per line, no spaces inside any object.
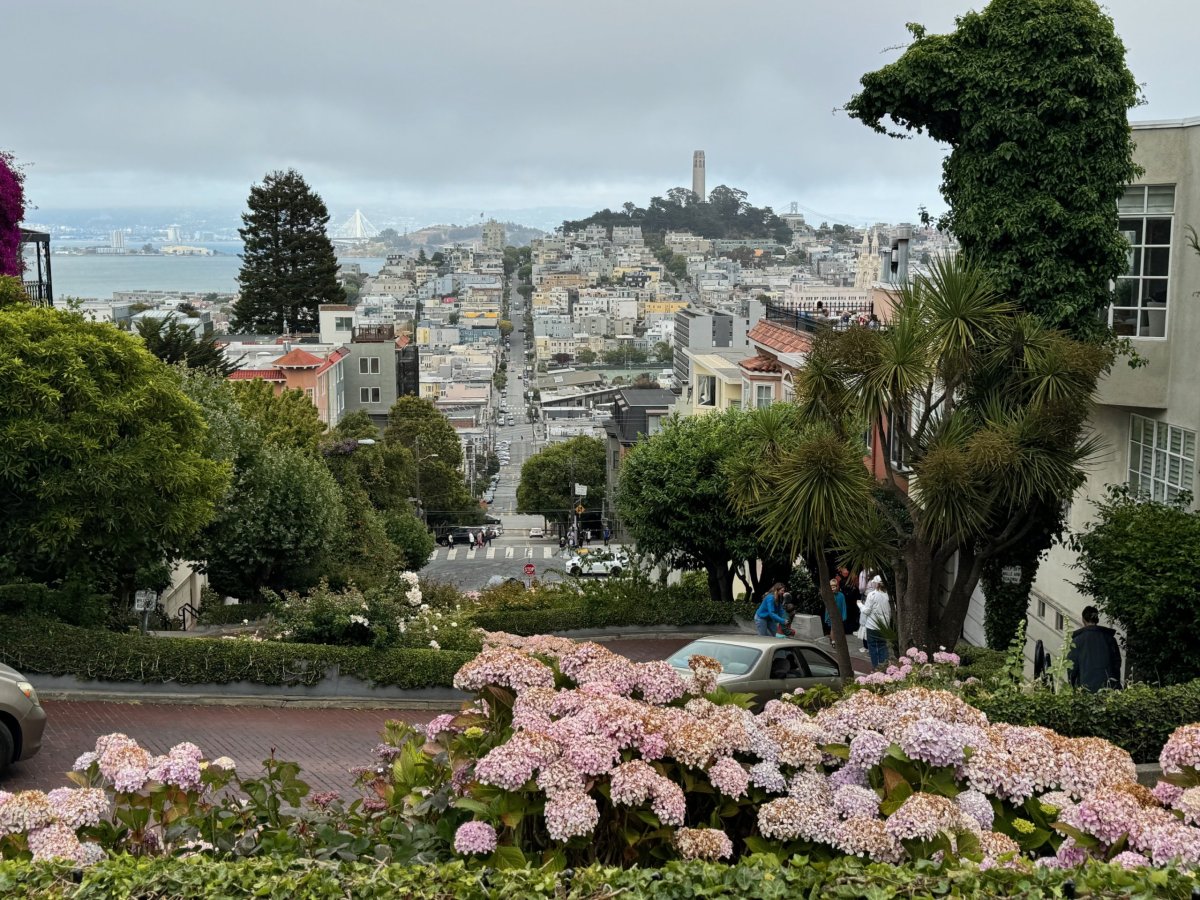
{"x":1095,"y":657}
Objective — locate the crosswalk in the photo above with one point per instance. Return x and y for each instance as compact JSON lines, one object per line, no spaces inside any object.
{"x":470,"y":553}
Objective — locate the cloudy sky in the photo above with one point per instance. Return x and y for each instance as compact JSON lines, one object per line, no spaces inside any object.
{"x":397,"y":106}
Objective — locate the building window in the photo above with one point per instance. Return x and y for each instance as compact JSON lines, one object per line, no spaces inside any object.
{"x":1140,"y":307}
{"x":368,"y":395}
{"x":764,"y":395}
{"x":1162,"y":458}
{"x":706,"y":390}
{"x":368,"y":365}
{"x":343,"y":323}
{"x":311,"y":393}
{"x":1059,"y":621}
{"x":1041,"y":609}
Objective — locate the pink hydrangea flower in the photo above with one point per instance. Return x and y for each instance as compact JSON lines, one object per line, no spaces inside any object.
{"x":571,"y":815}
{"x":55,"y":841}
{"x":78,"y":807}
{"x":703,"y":843}
{"x":474,"y":838}
{"x":852,"y":801}
{"x":1181,"y":750}
{"x":729,"y":777}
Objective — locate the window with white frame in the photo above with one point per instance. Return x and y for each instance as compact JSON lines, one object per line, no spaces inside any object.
{"x":368,"y":395}
{"x":1162,"y":458}
{"x":764,"y":395}
{"x":1140,"y":306}
{"x":343,"y":323}
{"x":368,"y":365}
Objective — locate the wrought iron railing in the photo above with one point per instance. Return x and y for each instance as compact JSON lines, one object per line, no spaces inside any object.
{"x":808,"y":318}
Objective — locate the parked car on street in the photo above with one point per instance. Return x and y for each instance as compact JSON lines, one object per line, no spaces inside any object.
{"x":598,"y":561}
{"x":22,"y":719}
{"x":535,"y":533}
{"x":763,"y":666}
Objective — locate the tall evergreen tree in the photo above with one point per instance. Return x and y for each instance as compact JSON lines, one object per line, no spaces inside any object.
{"x":288,"y":266}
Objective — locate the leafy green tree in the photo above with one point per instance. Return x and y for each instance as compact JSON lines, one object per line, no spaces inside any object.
{"x":506,"y":327}
{"x":1041,"y":221}
{"x":585,"y":356}
{"x":982,"y":413}
{"x":288,"y":264}
{"x":548,"y":478}
{"x":1140,"y":560}
{"x":287,"y":419}
{"x":674,"y":500}
{"x":176,"y":344}
{"x":280,"y":521}
{"x":411,"y":538}
{"x":417,"y":425}
{"x":102,"y":469}
{"x":663,"y":352}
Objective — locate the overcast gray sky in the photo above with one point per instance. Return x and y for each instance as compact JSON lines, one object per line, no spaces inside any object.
{"x":390,"y":106}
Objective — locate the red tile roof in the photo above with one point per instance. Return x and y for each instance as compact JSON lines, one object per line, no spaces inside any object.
{"x":761,"y":364}
{"x":250,"y":374}
{"x":780,"y":338}
{"x":298,"y":359}
{"x":332,"y":358}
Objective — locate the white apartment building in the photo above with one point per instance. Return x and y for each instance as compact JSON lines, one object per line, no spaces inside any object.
{"x":1148,"y":418}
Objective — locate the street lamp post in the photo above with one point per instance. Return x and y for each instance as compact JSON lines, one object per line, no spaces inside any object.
{"x":419,"y":459}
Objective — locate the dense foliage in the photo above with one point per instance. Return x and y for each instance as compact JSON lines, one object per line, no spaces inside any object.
{"x":39,"y":646}
{"x":101,"y":463}
{"x":286,"y":419}
{"x":723,"y":214}
{"x":288,"y":264}
{"x":979,"y":411}
{"x":1010,"y":91}
{"x":12,"y":211}
{"x":175,"y":343}
{"x":548,"y":478}
{"x":1140,"y":560}
{"x":418,"y":426}
{"x":764,"y":877}
{"x":674,"y":500}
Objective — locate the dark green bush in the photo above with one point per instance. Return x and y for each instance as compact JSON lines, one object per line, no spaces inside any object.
{"x":51,"y":648}
{"x":234,"y":615}
{"x":979,"y":662}
{"x":1139,"y":718}
{"x":759,"y":877}
{"x":73,"y":603}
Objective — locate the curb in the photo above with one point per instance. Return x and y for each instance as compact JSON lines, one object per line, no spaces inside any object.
{"x":248,"y":700}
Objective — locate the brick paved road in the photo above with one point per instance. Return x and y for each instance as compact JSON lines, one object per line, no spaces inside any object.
{"x":326,"y":742}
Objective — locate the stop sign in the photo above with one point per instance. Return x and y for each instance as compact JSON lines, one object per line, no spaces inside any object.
{"x":530,"y":570}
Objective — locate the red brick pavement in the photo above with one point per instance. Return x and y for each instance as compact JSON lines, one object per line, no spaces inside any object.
{"x":326,"y":742}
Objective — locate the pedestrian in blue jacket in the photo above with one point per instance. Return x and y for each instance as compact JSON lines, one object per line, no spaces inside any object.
{"x":770,"y":612}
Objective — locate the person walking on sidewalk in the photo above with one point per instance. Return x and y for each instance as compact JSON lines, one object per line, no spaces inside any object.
{"x":839,"y":599}
{"x":875,"y":612}
{"x":770,"y":612}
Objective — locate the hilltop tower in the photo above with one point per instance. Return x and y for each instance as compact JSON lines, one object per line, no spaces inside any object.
{"x":698,"y":175}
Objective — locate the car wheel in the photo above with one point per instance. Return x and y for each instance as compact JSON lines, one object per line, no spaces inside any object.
{"x":615,"y":570}
{"x":575,"y":571}
{"x":6,"y":748}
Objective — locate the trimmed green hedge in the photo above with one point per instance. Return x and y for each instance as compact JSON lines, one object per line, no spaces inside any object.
{"x":234,"y":615}
{"x":52,"y":648}
{"x":759,"y":878}
{"x":1139,"y":718}
{"x":647,"y":612}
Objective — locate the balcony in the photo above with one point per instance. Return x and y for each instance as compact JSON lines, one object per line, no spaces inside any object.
{"x":811,"y":320}
{"x":40,"y":290}
{"x":366,"y":334}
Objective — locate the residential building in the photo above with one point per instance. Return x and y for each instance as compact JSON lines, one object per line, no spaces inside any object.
{"x":1147,"y":418}
{"x":320,"y":375}
{"x":381,"y":366}
{"x":636,"y":413}
{"x":493,"y":236}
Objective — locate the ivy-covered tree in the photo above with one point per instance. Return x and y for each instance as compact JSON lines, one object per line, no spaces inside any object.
{"x":1140,"y":560}
{"x":102,"y":467}
{"x":176,"y":344}
{"x":288,"y":264}
{"x":548,"y":478}
{"x":286,"y":419}
{"x":1032,"y":98}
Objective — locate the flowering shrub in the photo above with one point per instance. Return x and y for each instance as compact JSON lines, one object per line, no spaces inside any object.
{"x":12,"y":211}
{"x":571,"y":755}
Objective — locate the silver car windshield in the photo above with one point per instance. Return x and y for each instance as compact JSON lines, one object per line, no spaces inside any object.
{"x":734,"y":660}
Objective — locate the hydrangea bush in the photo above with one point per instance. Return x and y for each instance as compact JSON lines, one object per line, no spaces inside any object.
{"x":571,"y":754}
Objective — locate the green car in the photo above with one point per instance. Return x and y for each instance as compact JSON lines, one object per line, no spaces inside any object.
{"x":764,"y":666}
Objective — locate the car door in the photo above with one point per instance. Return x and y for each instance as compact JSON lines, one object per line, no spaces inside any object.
{"x":820,"y":668}
{"x":778,"y":671}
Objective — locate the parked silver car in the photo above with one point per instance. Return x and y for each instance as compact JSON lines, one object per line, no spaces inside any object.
{"x":763,"y":666}
{"x":22,"y":719}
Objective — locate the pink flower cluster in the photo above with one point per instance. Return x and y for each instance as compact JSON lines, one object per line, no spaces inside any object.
{"x":49,"y":822}
{"x":474,"y":837}
{"x":1181,"y":751}
{"x":914,"y":663}
{"x":703,"y":843}
{"x":504,"y":667}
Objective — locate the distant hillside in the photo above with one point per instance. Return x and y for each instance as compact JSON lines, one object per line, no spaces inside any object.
{"x":436,"y":236}
{"x":724,"y":215}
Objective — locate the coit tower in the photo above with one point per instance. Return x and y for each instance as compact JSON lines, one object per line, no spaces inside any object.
{"x":698,"y":175}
